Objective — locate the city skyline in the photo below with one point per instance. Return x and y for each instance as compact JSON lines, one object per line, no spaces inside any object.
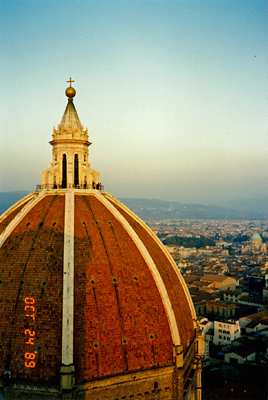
{"x":174,"y":94}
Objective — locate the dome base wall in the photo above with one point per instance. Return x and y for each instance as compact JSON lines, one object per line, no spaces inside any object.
{"x":158,"y":384}
{"x":163,"y":383}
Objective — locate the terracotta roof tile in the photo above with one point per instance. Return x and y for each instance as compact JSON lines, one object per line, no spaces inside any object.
{"x":129,"y":308}
{"x":31,"y":266}
{"x":173,"y":286}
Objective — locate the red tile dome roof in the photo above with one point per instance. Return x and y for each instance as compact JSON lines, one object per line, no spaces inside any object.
{"x":87,"y":291}
{"x":131,"y":306}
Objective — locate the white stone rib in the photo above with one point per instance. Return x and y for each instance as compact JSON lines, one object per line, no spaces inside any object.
{"x":149,"y":261}
{"x":68,"y":281}
{"x":12,"y":225}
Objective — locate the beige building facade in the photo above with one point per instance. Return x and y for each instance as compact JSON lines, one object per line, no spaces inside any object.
{"x":226,"y":332}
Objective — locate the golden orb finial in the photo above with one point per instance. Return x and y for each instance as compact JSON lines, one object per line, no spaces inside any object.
{"x":70,"y":91}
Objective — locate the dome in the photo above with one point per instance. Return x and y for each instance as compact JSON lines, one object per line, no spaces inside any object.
{"x":90,"y":298}
{"x":255,"y":236}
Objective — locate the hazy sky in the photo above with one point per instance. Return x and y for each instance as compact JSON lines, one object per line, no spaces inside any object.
{"x":174,"y":93}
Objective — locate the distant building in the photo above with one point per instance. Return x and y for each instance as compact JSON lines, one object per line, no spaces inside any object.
{"x":204,"y":286}
{"x":186,"y":252}
{"x":256,"y":246}
{"x":234,"y":296}
{"x":171,"y":248}
{"x":208,"y":250}
{"x":226,"y":332}
{"x":220,"y":282}
{"x":256,"y":283}
{"x":224,"y":310}
{"x":205,"y":327}
{"x":255,"y":322}
{"x":241,"y":354}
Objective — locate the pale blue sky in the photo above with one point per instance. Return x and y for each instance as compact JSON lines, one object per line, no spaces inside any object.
{"x":174,"y":93}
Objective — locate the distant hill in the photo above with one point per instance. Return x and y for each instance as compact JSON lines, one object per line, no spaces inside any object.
{"x":157,"y":209}
{"x":249,"y":204}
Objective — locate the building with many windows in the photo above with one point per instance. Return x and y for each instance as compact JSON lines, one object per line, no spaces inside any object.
{"x":226,"y":332}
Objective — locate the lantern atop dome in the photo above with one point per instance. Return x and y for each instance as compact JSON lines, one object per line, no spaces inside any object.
{"x":70,"y":167}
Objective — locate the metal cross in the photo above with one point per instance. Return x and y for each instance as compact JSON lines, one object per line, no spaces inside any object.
{"x":70,"y":81}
